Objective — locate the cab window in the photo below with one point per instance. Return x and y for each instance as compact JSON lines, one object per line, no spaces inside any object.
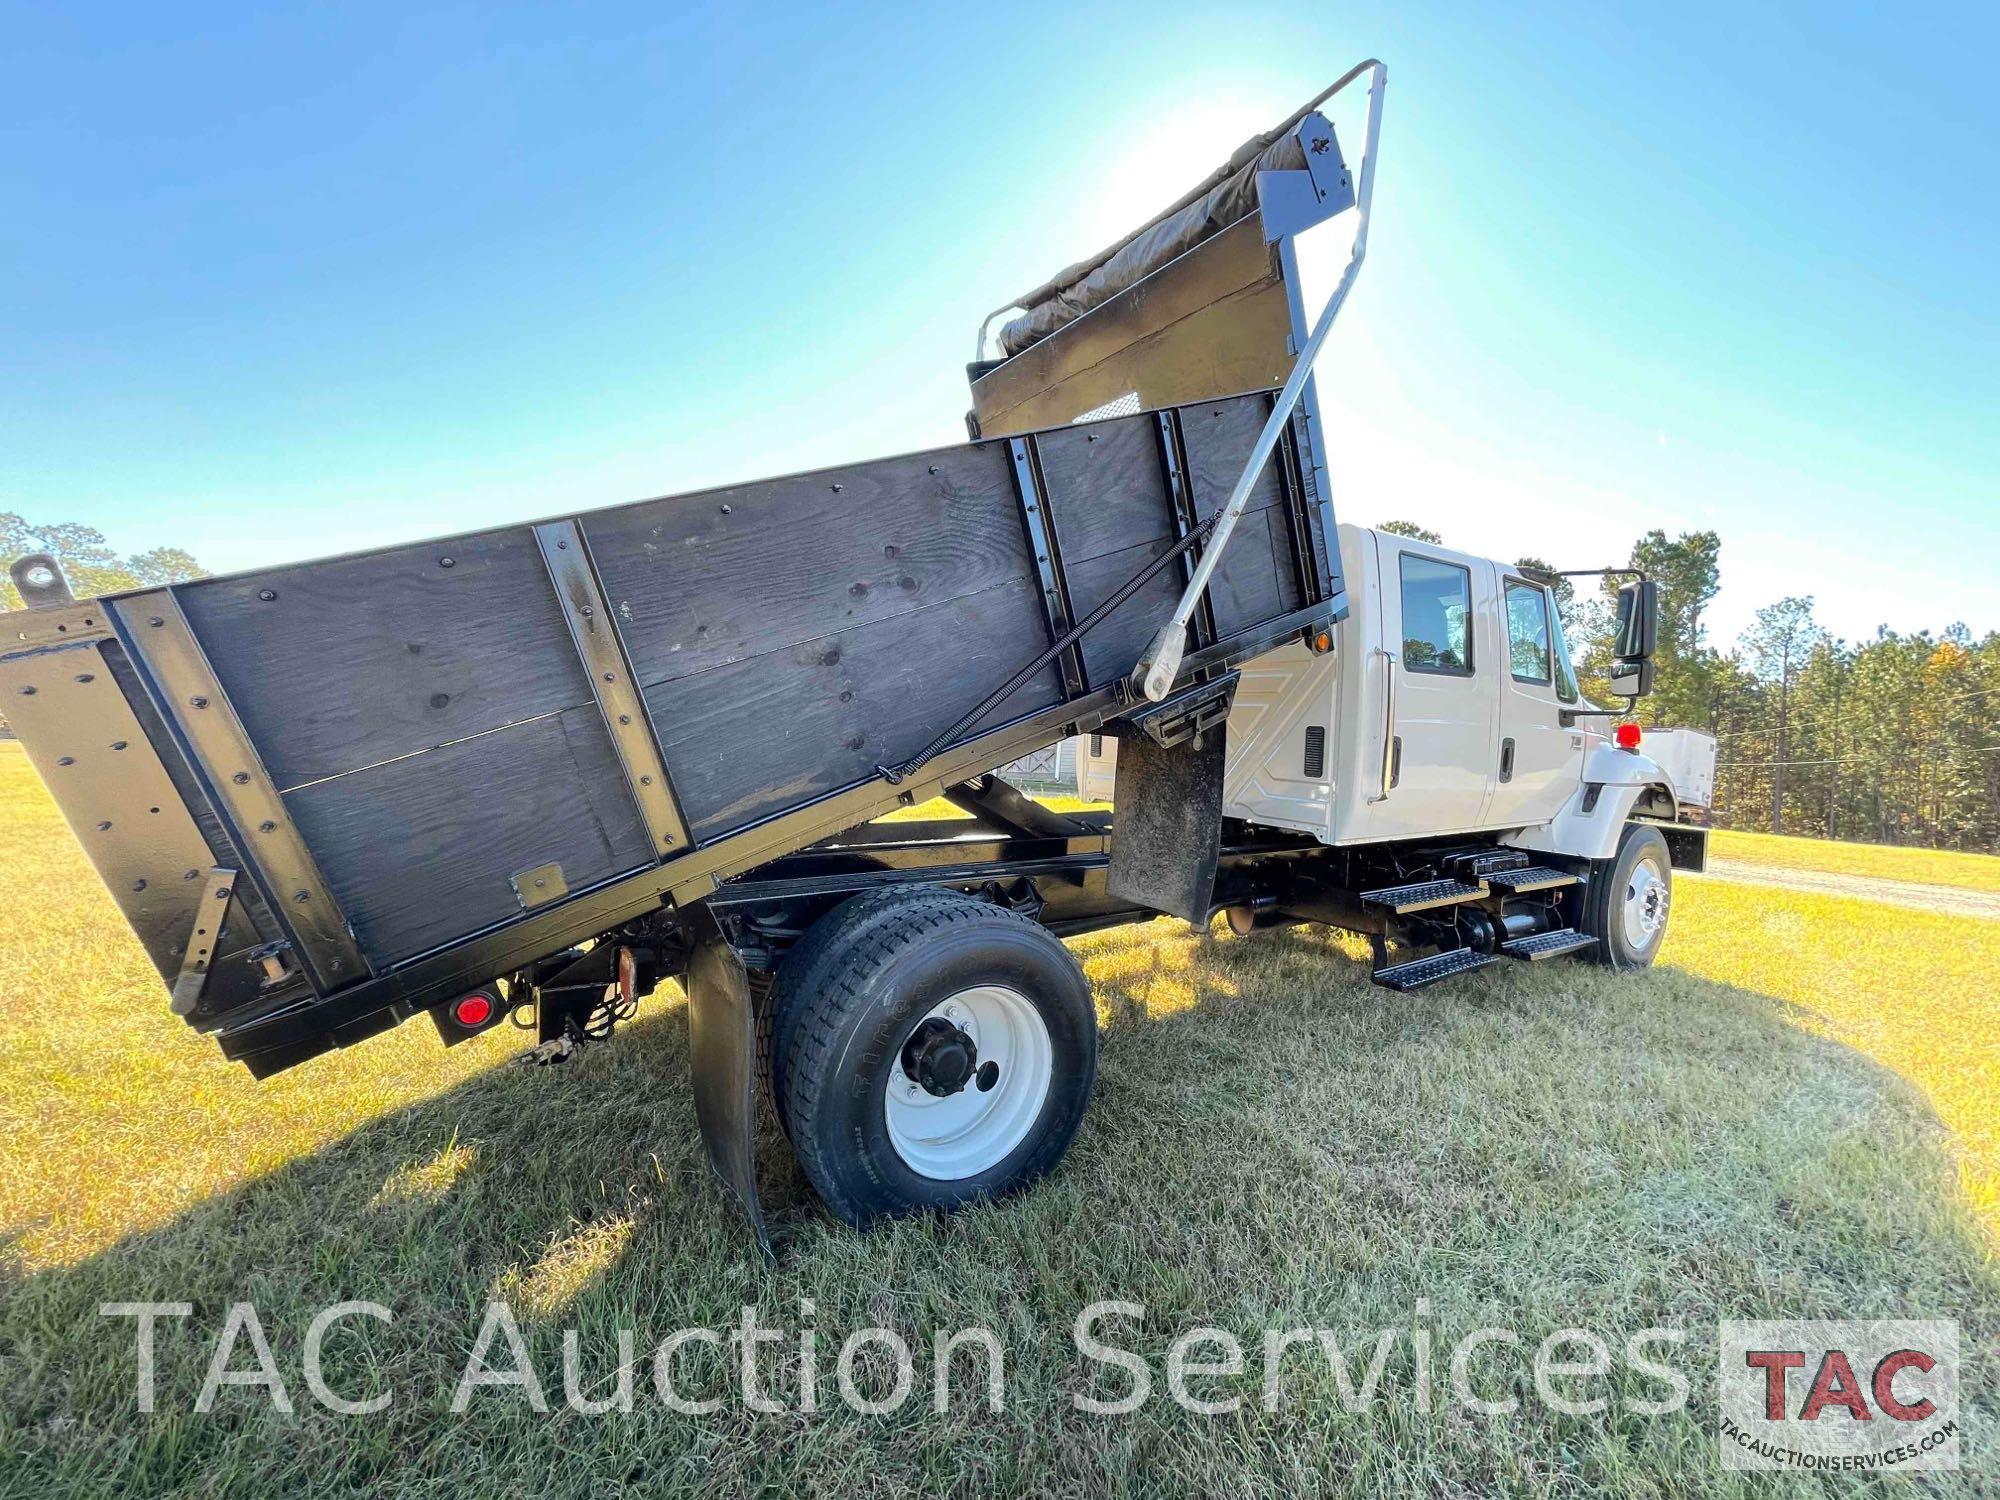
{"x":1528,"y":633}
{"x":1437,"y":616}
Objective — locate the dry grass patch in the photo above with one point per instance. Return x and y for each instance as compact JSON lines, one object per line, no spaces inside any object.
{"x":1973,"y":872}
{"x":1785,"y":1120}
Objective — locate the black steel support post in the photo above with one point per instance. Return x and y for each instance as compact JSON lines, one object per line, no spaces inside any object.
{"x":1041,"y":529}
{"x":1180,"y":493}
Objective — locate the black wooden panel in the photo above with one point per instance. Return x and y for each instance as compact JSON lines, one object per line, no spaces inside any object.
{"x":765,"y":734}
{"x":418,"y":852}
{"x":1218,"y":436}
{"x":1106,"y":489}
{"x":1113,"y":647}
{"x":698,"y":581}
{"x":359,"y":659}
{"x":1256,"y":580}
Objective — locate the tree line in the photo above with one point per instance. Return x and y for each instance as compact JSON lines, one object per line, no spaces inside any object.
{"x":1888,"y":738}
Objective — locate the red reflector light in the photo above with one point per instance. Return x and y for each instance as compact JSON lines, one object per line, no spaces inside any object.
{"x":472,"y":1010}
{"x":1626,"y":736}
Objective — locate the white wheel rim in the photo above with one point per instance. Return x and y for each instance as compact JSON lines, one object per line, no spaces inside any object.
{"x":1647,"y":897}
{"x":966,"y":1133}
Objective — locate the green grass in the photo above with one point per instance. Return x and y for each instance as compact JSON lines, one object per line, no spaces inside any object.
{"x":1976,"y":872}
{"x":1791,"y":1117}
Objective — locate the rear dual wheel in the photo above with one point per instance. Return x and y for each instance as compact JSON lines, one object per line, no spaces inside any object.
{"x":925,"y":1049}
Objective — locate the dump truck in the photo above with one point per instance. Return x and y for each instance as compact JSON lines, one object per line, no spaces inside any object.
{"x":524,"y":775}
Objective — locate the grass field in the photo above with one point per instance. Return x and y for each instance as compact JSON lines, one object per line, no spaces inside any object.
{"x":1791,"y":1116}
{"x":1974,"y":872}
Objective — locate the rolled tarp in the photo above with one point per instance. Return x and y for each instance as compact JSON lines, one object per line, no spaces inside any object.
{"x":1223,"y":197}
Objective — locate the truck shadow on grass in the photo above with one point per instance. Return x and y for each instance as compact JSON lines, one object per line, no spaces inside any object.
{"x":1273,"y":1144}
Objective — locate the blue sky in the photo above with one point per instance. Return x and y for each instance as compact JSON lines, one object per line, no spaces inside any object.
{"x":275,"y":284}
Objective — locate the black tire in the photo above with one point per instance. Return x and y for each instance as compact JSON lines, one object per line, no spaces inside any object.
{"x":873,"y":984}
{"x":1613,"y":884}
{"x":803,"y":972}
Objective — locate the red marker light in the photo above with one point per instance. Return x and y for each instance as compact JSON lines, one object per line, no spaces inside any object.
{"x":472,"y":1010}
{"x":1626,"y":736}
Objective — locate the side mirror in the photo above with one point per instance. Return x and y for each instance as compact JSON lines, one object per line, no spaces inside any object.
{"x":1631,"y":679}
{"x":1638,"y":620}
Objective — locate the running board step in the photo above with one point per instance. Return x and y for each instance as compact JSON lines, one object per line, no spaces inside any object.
{"x":1422,"y":895}
{"x":1419,"y":972}
{"x":1533,"y":878}
{"x":1548,"y":944}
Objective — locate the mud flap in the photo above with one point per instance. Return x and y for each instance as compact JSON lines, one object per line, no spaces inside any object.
{"x":1166,"y":834}
{"x":722,"y":1054}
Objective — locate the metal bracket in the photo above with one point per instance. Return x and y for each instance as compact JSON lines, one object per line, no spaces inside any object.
{"x":1188,"y":713}
{"x":539,"y":886}
{"x":595,"y":633}
{"x":203,"y":937}
{"x":190,"y":695}
{"x":1295,"y":200}
{"x":40,"y":579}
{"x":1042,"y":542}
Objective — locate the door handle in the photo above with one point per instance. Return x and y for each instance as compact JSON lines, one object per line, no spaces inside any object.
{"x":1389,"y":747}
{"x":1506,"y":760}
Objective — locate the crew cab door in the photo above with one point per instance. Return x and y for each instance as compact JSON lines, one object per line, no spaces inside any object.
{"x":1540,"y":760}
{"x":1433,"y":691}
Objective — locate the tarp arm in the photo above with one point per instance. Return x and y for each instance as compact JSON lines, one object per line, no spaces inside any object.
{"x":1157,"y":669}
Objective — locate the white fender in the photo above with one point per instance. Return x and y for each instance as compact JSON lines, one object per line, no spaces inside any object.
{"x":1591,"y":822}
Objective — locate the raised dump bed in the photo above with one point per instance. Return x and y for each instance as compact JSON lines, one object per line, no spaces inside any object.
{"x":530,"y":771}
{"x":421,"y":765}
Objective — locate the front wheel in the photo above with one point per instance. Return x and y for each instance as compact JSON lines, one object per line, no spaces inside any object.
{"x":943,"y":1054}
{"x":1629,"y":898}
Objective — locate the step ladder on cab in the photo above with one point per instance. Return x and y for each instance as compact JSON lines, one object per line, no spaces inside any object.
{"x":1486,"y":906}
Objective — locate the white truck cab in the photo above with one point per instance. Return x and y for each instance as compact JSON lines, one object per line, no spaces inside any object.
{"x":1447,"y":705}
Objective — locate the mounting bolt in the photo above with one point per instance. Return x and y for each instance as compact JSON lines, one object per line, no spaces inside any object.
{"x":156,"y":622}
{"x":725,"y":509}
{"x":223,"y":894}
{"x":447,"y":562}
{"x":138,"y":885}
{"x":198,"y":702}
{"x":66,"y":760}
{"x":645,"y":781}
{"x":27,"y":692}
{"x":241,"y":778}
{"x":267,"y":595}
{"x":300,"y":898}
{"x":267,"y":826}
{"x":86,"y":677}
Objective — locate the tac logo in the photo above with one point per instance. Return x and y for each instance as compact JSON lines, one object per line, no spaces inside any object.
{"x":1840,"y":1396}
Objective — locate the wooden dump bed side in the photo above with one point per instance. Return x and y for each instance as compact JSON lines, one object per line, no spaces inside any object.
{"x":412,"y":765}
